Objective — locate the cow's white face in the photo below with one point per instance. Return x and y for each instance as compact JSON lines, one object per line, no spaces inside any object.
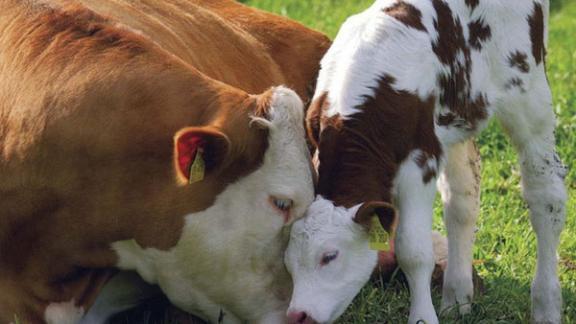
{"x":329,"y":259}
{"x":286,"y":174}
{"x":229,"y":259}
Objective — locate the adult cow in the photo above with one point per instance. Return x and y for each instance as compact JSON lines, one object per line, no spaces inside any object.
{"x":128,"y":140}
{"x":401,"y":88}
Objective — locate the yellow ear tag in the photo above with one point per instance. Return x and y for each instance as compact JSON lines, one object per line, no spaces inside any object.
{"x":197,"y":168}
{"x":379,"y":238}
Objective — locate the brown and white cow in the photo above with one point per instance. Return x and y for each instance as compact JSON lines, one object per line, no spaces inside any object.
{"x":402,"y":88}
{"x":129,"y":140}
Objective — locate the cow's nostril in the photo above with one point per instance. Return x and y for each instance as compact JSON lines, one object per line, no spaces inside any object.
{"x":303,"y":317}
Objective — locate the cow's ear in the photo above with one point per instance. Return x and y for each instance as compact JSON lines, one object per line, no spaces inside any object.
{"x":385,"y":212}
{"x":314,"y":116}
{"x":198,"y":151}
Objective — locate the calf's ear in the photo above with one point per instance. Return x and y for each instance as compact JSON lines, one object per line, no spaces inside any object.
{"x":198,"y":151}
{"x":385,"y":212}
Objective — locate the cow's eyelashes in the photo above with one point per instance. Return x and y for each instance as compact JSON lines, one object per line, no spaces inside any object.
{"x":282,"y":204}
{"x":328,"y":257}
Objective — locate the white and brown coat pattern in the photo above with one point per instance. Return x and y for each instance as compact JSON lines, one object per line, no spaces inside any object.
{"x":403,"y":86}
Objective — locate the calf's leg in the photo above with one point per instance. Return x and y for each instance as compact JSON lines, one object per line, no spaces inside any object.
{"x":414,"y":248}
{"x":459,"y":185}
{"x":529,"y":120}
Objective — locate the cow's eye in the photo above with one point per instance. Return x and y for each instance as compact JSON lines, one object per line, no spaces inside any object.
{"x":328,"y":257}
{"x":282,"y":204}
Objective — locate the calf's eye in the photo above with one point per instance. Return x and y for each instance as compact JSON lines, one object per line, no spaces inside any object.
{"x":328,"y":257}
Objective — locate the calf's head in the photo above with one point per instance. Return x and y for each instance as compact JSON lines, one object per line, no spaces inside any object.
{"x":329,"y":257}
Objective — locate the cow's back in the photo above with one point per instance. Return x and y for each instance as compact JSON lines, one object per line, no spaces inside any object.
{"x":259,"y":49}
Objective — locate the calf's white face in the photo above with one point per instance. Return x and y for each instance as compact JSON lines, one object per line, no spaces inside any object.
{"x":329,"y":258}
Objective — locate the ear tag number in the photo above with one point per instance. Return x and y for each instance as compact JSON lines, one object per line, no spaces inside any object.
{"x":379,"y":238}
{"x":197,"y":168}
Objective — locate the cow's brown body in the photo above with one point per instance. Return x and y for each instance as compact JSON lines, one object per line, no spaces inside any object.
{"x":91,"y":96}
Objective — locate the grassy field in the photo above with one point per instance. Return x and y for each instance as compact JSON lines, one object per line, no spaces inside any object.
{"x":506,"y":245}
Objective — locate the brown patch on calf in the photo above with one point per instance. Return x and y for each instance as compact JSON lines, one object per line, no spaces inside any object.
{"x":472,"y":3}
{"x":479,"y":33}
{"x":423,"y":161}
{"x":536,"y":22}
{"x":464,"y":109}
{"x":359,"y":159}
{"x":450,"y":34}
{"x":407,"y":14}
{"x":519,"y":61}
{"x":515,"y":83}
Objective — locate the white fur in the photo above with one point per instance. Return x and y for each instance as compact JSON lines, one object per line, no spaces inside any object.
{"x":229,"y":257}
{"x":529,"y":120}
{"x":63,"y":313}
{"x":324,"y":291}
{"x":414,"y":245}
{"x":371,"y":45}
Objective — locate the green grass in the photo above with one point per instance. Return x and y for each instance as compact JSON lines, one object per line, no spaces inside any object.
{"x":505,"y":245}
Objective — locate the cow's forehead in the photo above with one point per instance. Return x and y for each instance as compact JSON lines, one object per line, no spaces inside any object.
{"x":323,"y":219}
{"x":290,"y":112}
{"x":284,"y":120}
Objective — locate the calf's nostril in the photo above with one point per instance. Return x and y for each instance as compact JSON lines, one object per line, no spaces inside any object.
{"x":297,"y":317}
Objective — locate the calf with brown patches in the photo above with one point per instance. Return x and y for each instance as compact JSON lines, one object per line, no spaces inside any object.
{"x":127,"y":141}
{"x":410,"y":82}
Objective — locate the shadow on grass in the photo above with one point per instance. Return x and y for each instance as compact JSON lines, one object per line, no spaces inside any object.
{"x":386,"y":300}
{"x":156,"y":310}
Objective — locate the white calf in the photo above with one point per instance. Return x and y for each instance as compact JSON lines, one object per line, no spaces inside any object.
{"x":403,"y":86}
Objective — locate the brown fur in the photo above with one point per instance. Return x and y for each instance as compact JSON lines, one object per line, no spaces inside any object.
{"x":91,"y":95}
{"x":536,"y":22}
{"x":455,"y":94}
{"x":472,"y":3}
{"x":407,"y":14}
{"x":357,"y":145}
{"x":515,"y":83}
{"x":519,"y":61}
{"x":479,"y":33}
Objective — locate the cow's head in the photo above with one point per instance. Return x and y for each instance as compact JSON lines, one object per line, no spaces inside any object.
{"x":254,"y":152}
{"x":261,"y":141}
{"x":329,"y":257}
